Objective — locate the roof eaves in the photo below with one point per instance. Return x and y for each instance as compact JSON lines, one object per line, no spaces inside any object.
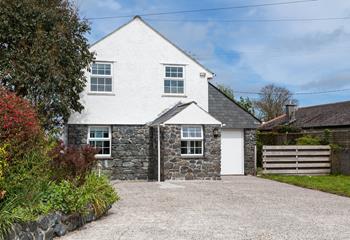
{"x":115,"y":30}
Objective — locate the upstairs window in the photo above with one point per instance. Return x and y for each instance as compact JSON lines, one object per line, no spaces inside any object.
{"x":100,"y":138}
{"x":192,"y":140}
{"x":174,"y":80}
{"x":101,"y":77}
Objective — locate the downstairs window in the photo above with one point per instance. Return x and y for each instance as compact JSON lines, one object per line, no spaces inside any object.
{"x":192,"y":140}
{"x":100,"y":138}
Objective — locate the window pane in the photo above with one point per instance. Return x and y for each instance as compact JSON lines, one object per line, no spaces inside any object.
{"x":93,"y":80}
{"x":198,"y":151}
{"x":108,"y":88}
{"x":173,"y":90}
{"x":106,"y":151}
{"x":167,"y":83}
{"x":180,"y":83}
{"x":101,"y":81}
{"x":93,"y":88}
{"x":100,"y":88}
{"x":108,"y":81}
{"x":166,"y":89}
{"x":173,"y":83}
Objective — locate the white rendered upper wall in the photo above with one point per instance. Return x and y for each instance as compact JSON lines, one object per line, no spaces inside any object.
{"x":138,"y":56}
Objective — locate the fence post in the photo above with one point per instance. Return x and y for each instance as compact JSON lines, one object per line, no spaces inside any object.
{"x":297,"y":159}
{"x":263,"y":162}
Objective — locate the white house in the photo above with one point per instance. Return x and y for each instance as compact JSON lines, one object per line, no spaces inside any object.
{"x":141,"y":84}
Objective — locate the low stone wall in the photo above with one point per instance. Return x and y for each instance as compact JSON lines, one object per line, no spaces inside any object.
{"x":50,"y":226}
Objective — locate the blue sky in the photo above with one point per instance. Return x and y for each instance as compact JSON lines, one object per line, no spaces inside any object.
{"x":302,"y":56}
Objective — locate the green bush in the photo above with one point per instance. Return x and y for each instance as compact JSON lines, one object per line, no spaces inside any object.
{"x":68,"y":198}
{"x":98,"y":192}
{"x":308,"y":140}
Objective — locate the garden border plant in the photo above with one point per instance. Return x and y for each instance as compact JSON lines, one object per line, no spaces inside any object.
{"x":39,"y":176}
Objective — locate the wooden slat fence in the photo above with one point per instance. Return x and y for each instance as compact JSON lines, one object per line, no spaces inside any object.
{"x":296,"y":160}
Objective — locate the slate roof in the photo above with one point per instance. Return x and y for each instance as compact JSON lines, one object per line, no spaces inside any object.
{"x":319,"y":116}
{"x":229,"y":112}
{"x":169,"y":113}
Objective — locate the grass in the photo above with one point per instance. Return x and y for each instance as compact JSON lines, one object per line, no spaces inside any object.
{"x":336,"y":184}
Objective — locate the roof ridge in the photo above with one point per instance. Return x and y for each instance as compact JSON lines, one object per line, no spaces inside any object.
{"x":274,"y":119}
{"x":325,"y":104}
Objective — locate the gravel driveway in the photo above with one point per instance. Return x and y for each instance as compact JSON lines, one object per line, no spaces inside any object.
{"x":234,"y":208}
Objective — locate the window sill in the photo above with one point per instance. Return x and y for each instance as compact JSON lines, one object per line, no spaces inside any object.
{"x":101,"y":93}
{"x":175,"y":95}
{"x":104,"y":157}
{"x":192,"y":156}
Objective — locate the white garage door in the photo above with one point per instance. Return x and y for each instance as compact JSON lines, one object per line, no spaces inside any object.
{"x":232,"y":152}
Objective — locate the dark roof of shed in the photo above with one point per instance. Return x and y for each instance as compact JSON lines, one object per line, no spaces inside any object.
{"x":326,"y":115}
{"x":169,"y":113}
{"x":228,"y":111}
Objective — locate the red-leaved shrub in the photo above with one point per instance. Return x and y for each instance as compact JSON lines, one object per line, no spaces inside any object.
{"x":72,"y":163}
{"x":19,"y":124}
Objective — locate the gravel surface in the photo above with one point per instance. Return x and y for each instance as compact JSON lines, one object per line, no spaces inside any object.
{"x":234,"y":208}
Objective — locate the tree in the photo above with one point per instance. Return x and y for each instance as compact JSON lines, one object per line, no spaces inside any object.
{"x":272,"y":101}
{"x":43,"y":54}
{"x":227,"y":90}
{"x":245,"y":103}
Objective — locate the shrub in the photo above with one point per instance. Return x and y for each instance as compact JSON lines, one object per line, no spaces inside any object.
{"x":69,"y":198}
{"x":308,"y":140}
{"x":72,"y":163}
{"x":98,"y":192}
{"x":326,"y":137}
{"x":19,"y":124}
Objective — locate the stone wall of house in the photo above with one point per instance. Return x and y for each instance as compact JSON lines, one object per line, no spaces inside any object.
{"x":77,"y":134}
{"x":249,"y":151}
{"x":130,"y":152}
{"x":176,"y":166}
{"x":131,"y":148}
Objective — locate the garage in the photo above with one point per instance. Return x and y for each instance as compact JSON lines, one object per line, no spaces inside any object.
{"x":238,"y":133}
{"x":232,"y":152}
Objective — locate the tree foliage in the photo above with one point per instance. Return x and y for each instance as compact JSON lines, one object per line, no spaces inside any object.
{"x":43,"y":54}
{"x":227,"y":90}
{"x":272,"y":101}
{"x":245,"y":103}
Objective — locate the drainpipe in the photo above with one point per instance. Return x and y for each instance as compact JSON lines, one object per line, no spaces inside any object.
{"x":159,"y":153}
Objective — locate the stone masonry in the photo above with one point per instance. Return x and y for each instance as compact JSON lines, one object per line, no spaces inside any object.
{"x":130,"y":153}
{"x":249,"y":151}
{"x":176,"y":166}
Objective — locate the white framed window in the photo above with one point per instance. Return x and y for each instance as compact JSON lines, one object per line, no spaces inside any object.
{"x":192,"y":140}
{"x":100,"y":138}
{"x":174,"y":79}
{"x":101,"y":77}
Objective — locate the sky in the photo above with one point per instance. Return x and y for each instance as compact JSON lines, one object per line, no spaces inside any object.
{"x":303,"y":56}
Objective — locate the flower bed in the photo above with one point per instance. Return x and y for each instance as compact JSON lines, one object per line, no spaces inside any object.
{"x":46,"y":188}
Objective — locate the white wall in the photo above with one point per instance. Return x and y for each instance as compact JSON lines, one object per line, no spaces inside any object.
{"x":138,"y":54}
{"x":192,"y":115}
